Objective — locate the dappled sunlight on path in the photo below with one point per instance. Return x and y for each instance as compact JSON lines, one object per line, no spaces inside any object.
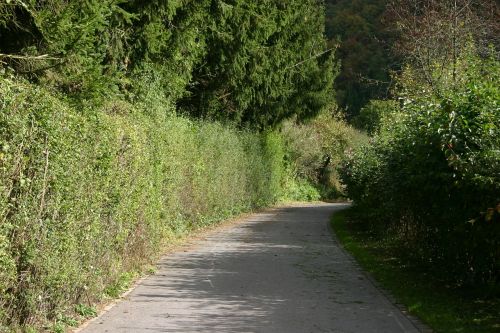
{"x":279,"y":271}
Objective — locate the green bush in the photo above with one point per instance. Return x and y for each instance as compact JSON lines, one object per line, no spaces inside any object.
{"x":371,"y":116}
{"x":88,"y":195}
{"x":433,"y":171}
{"x":298,"y":189}
{"x":313,"y":150}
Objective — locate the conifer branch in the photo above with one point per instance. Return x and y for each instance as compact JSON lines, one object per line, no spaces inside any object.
{"x":312,"y":58}
{"x":23,"y":57}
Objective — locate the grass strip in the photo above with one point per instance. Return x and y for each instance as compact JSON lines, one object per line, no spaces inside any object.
{"x":443,"y":307}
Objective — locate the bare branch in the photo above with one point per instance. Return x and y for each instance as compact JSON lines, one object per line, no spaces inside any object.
{"x":312,"y":58}
{"x":26,"y":57}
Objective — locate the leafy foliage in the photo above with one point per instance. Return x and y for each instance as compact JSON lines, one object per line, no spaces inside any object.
{"x":434,"y":172}
{"x":372,"y":115}
{"x":86,"y":195}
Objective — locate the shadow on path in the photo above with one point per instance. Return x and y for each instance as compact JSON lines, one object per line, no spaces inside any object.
{"x":278,"y":271}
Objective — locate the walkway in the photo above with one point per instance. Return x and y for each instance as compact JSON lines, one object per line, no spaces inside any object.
{"x":279,"y":272}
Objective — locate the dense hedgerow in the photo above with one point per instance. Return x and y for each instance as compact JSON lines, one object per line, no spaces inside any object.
{"x":86,"y":194}
{"x":432,"y":175}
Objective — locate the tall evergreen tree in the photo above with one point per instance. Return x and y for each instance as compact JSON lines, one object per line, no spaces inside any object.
{"x":266,"y":61}
{"x":250,"y":62}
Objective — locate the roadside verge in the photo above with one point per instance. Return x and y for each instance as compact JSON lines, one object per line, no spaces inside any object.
{"x":417,"y":292}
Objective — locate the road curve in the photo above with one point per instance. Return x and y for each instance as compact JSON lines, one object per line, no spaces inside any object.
{"x":280,"y":271}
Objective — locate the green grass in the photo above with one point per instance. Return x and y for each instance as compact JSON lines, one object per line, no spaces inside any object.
{"x":443,"y":307}
{"x":121,"y":285}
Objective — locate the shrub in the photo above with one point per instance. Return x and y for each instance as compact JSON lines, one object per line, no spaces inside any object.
{"x":313,"y":151}
{"x":371,"y":116}
{"x":433,"y":171}
{"x":87,"y":195}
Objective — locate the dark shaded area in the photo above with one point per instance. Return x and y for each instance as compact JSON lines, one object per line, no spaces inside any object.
{"x":18,"y":32}
{"x":365,"y":40}
{"x":421,"y":287}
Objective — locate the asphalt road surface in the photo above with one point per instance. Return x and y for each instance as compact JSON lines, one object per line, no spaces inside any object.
{"x":280,"y":271}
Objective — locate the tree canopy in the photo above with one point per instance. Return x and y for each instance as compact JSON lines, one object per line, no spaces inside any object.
{"x":254,"y":63}
{"x":364,"y":50}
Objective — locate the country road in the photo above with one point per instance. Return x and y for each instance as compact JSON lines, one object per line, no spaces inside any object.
{"x":279,"y":271}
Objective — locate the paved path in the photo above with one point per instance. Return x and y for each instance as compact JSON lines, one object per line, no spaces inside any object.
{"x":277,"y":272}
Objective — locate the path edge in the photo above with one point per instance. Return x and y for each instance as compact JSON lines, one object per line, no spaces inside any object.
{"x":417,"y":322}
{"x":106,"y":306}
